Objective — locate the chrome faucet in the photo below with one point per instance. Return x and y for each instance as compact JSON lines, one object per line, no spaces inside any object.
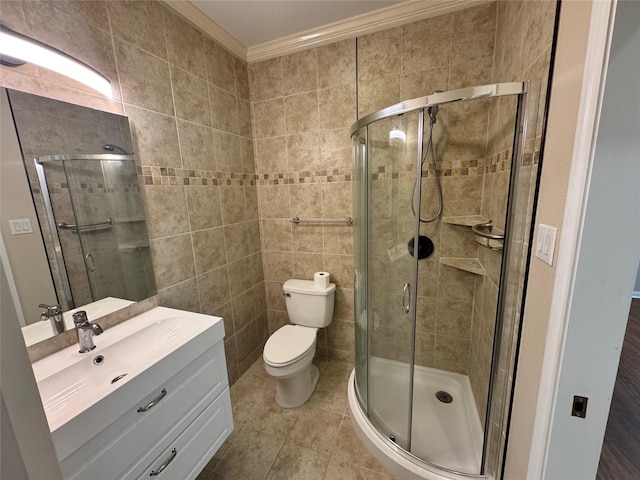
{"x":85,"y":331}
{"x":54,"y":314}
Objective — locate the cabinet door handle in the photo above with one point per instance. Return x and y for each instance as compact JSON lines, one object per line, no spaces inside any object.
{"x":154,"y":401}
{"x":166,"y":463}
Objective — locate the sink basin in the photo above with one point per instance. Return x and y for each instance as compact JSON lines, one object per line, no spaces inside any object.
{"x":71,"y":382}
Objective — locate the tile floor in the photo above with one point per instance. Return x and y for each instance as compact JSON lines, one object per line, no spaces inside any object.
{"x":314,"y":441}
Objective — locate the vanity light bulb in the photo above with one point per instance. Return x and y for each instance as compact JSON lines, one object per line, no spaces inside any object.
{"x":22,"y":48}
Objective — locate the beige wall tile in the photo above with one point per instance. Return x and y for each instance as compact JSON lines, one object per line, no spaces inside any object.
{"x":144,"y":78}
{"x":300,"y":72}
{"x":266,"y":79}
{"x":243,"y":309}
{"x":241,"y":276}
{"x":224,"y":110}
{"x":172,"y":260}
{"x":166,"y":210}
{"x":227,"y":152}
{"x":185,"y":47}
{"x":278,"y":266}
{"x":337,"y":106}
{"x":336,"y":64}
{"x":196,"y":144}
{"x":236,"y":241}
{"x":307,"y":238}
{"x":214,"y":289}
{"x":277,"y":234}
{"x":155,"y":136}
{"x":274,"y":201}
{"x":232,"y":204}
{"x":183,"y":296}
{"x":203,"y":202}
{"x":140,"y":23}
{"x":306,"y":264}
{"x":242,"y":78}
{"x":268,"y":118}
{"x":378,"y":54}
{"x":303,"y":152}
{"x":208,"y":249}
{"x":341,"y":269}
{"x":301,"y":113}
{"x":220,"y":66}
{"x":427,"y":44}
{"x":191,"y":96}
{"x":474,"y":34}
{"x":271,"y":154}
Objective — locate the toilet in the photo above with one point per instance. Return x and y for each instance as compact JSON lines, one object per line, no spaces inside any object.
{"x":288,"y":352}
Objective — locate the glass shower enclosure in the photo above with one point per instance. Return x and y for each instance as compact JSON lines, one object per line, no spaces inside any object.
{"x":429,"y":303}
{"x":96,"y":215}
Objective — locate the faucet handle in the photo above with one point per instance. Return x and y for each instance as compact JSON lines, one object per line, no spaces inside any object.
{"x":51,"y":309}
{"x":80,"y":317}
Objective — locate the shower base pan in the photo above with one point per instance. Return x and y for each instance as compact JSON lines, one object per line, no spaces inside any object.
{"x":447,"y":436}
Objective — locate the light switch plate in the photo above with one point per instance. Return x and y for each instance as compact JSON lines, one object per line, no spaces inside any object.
{"x":546,"y":243}
{"x":20,"y":226}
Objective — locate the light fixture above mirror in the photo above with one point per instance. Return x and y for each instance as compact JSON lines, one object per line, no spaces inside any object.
{"x":17,"y":49}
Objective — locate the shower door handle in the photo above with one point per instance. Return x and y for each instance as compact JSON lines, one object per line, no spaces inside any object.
{"x":90,"y":262}
{"x":406,"y":298}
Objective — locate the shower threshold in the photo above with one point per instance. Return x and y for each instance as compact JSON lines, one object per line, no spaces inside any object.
{"x":446,"y":434}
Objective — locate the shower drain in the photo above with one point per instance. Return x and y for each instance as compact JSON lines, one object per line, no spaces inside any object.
{"x":444,"y":397}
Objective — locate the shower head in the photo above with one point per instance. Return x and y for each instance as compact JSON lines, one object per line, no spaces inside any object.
{"x":433,"y":111}
{"x":108,"y":147}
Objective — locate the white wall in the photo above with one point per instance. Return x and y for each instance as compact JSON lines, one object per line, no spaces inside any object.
{"x":19,"y":394}
{"x":606,"y":266}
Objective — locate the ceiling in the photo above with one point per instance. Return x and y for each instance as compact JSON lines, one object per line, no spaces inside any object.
{"x":255,"y":22}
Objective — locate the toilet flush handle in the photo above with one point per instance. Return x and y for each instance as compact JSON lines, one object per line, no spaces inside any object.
{"x":286,"y":294}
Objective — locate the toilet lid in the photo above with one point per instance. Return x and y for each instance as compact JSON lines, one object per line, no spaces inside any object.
{"x":288,"y":344}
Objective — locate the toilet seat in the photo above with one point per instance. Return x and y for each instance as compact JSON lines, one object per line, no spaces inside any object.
{"x":288,"y":344}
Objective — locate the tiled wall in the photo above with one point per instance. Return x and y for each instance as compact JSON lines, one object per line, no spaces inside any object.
{"x":524,"y":38}
{"x":187,"y":99}
{"x":441,"y":53}
{"x":303,"y":105}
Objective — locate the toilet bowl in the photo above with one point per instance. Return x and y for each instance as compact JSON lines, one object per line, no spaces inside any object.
{"x":289,"y":352}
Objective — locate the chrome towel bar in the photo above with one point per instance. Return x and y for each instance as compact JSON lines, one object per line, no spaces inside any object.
{"x":88,"y":227}
{"x":347,"y":221}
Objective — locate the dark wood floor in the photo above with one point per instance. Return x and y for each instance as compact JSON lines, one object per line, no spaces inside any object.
{"x":620,"y":459}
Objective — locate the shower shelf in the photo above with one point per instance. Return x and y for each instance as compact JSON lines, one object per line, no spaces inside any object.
{"x":471,"y":265}
{"x":467,"y":220}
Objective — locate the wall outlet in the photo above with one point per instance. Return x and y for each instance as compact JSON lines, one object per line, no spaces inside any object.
{"x":20,"y":226}
{"x":546,"y":243}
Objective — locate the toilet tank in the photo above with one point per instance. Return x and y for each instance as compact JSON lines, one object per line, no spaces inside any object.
{"x":309,"y":305}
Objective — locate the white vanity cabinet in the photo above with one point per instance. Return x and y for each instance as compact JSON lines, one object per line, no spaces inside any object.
{"x":166,"y":422}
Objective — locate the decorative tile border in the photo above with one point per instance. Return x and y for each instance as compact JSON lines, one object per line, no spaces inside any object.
{"x":151,"y":175}
{"x":306,"y":177}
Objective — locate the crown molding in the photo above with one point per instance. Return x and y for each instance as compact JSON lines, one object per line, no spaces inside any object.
{"x":392,"y":16}
{"x":194,"y":15}
{"x":389,"y":17}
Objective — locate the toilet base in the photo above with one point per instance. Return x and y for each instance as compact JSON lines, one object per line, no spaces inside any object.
{"x":294,"y":391}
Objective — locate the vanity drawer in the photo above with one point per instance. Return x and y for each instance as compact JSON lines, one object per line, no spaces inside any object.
{"x":187,"y":455}
{"x":114,"y":450}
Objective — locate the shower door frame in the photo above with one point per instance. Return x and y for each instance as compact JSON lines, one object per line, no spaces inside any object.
{"x":48,"y":208}
{"x":518,"y":89}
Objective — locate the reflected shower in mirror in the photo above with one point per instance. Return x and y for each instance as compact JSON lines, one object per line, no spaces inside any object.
{"x":75,"y":178}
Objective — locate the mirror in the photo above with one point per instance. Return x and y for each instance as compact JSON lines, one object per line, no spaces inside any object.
{"x":72,"y":218}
